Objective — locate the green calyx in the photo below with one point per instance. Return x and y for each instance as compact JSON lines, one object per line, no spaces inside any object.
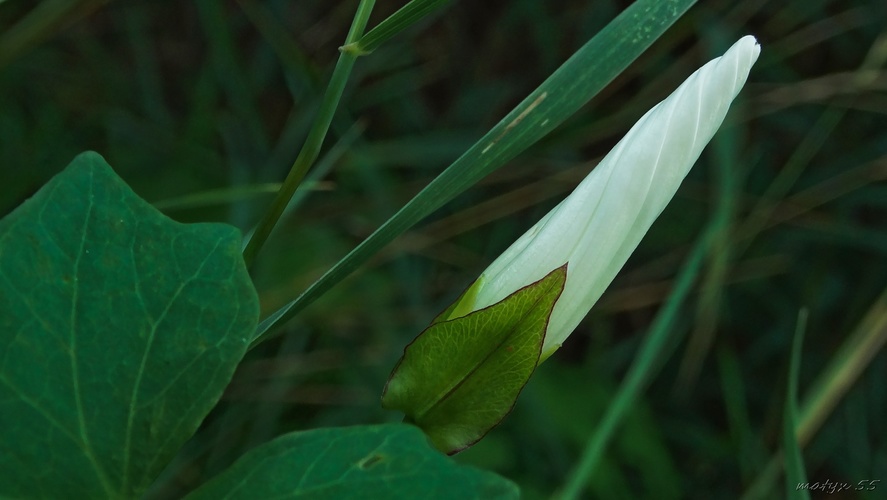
{"x":460,"y":377}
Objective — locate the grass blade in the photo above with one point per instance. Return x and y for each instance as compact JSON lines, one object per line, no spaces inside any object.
{"x":844,"y":369}
{"x":578,"y":80}
{"x":405,"y":17}
{"x":794,"y":461}
{"x":644,"y":366}
{"x":315,"y":138}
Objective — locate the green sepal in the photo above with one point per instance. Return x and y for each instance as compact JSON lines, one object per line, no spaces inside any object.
{"x":459,"y":378}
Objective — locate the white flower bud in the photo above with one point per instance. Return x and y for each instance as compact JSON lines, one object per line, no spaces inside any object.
{"x":597,"y":227}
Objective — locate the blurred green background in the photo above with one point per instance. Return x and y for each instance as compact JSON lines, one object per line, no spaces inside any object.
{"x":202,"y":106}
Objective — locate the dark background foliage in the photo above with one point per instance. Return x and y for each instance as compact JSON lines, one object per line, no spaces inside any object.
{"x":185,"y":98}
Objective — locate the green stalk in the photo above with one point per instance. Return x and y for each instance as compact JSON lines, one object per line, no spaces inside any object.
{"x":853,"y":357}
{"x":316,"y":135}
{"x":642,"y":369}
{"x":405,"y":17}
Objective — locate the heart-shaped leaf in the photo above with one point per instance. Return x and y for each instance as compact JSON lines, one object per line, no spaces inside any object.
{"x":119,"y":329}
{"x":392,"y":461}
{"x":459,"y":378}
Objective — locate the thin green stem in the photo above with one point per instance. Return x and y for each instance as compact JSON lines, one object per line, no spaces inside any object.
{"x":316,"y":135}
{"x":405,"y":17}
{"x":793,"y":456}
{"x":642,"y":369}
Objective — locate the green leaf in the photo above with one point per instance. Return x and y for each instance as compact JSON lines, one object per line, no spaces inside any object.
{"x":392,"y":461}
{"x":405,"y":17}
{"x":579,"y":79}
{"x":119,"y":329}
{"x":459,"y":378}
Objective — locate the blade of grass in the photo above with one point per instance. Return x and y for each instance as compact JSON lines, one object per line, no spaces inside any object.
{"x":643,"y":368}
{"x":220,"y":196}
{"x":314,"y":141}
{"x":794,"y":461}
{"x":848,"y":364}
{"x":321,"y":169}
{"x":569,"y":87}
{"x":829,"y":388}
{"x":405,"y":17}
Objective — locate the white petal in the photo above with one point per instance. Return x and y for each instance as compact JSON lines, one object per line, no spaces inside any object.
{"x":599,"y":225}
